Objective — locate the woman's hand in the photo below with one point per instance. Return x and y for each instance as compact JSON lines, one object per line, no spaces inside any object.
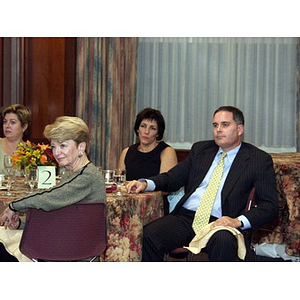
{"x":15,"y":221}
{"x":9,"y":219}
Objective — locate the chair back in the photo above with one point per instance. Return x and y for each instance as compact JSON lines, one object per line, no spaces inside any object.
{"x":251,"y":200}
{"x":74,"y":232}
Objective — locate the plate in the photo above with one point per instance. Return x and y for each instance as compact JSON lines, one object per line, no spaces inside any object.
{"x":3,"y":187}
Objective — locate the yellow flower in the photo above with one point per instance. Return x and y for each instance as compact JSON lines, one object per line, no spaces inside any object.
{"x":31,"y":155}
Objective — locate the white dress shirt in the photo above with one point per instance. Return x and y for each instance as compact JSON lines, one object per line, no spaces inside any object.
{"x":193,"y":201}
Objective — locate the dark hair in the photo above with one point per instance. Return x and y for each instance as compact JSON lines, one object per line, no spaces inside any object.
{"x":151,"y":114}
{"x":238,"y":116}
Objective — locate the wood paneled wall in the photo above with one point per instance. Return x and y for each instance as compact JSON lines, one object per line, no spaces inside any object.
{"x":41,"y":74}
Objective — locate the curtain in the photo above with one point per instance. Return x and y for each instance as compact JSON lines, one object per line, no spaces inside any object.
{"x":298,"y":93}
{"x":105,"y":92}
{"x":189,"y":78}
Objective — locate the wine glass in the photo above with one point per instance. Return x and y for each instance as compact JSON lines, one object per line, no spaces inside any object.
{"x":119,"y":177}
{"x":9,"y":175}
{"x":32,"y":178}
{"x":8,"y":163}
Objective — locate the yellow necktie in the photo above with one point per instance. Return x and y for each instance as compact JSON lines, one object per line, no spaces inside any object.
{"x":203,"y":212}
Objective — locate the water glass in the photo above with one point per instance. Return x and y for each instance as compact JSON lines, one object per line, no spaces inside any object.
{"x":119,"y":179}
{"x":108,"y":177}
{"x":1,"y":179}
{"x":9,"y":175}
{"x":32,"y":178}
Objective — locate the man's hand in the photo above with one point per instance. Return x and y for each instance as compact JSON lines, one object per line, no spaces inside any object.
{"x":136,"y":186}
{"x":227,"y":221}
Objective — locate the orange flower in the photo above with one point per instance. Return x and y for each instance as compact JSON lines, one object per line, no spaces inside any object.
{"x":16,"y":158}
{"x":43,"y":147}
{"x":31,"y":155}
{"x":43,"y":159}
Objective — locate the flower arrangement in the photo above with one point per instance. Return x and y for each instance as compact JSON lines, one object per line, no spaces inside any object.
{"x":31,"y":155}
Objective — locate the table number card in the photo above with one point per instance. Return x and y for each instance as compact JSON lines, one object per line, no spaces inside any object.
{"x":46,"y":177}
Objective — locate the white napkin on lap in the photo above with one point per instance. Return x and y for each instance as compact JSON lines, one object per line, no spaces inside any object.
{"x":11,"y":240}
{"x":202,"y":237}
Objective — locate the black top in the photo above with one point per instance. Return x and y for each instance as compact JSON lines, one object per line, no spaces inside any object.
{"x":143,"y":165}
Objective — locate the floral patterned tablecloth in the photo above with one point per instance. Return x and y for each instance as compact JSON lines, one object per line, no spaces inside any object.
{"x":126,"y":216}
{"x":287,"y":228}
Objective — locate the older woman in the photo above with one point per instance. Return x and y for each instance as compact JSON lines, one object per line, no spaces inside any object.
{"x":69,"y":138}
{"x":150,"y":156}
{"x":16,"y":120}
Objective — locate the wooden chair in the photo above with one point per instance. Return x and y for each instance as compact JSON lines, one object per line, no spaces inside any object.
{"x":72,"y":233}
{"x":183,"y":253}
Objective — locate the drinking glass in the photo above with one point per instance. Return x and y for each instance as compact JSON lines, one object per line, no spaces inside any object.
{"x":26,"y":175}
{"x":32,"y":179}
{"x":2,"y":176}
{"x":119,"y":176}
{"x":108,"y":176}
{"x":9,"y":174}
{"x":8,"y":163}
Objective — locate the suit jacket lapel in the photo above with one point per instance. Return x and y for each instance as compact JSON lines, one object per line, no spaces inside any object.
{"x":238,"y":166}
{"x":203,"y":162}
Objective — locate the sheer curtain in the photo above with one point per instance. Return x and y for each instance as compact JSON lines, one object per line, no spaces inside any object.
{"x":188,"y":78}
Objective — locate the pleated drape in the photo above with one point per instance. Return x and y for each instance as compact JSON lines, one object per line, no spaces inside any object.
{"x":188,"y":78}
{"x":106,"y":91}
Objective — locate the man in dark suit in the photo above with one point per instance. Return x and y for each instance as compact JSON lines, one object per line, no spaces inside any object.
{"x":245,"y":167}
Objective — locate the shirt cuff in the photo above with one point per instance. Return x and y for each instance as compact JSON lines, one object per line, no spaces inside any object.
{"x":150,"y":185}
{"x":245,"y":221}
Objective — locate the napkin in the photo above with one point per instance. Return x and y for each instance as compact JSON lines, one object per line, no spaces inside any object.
{"x":202,"y":237}
{"x":111,"y":189}
{"x":11,"y":240}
